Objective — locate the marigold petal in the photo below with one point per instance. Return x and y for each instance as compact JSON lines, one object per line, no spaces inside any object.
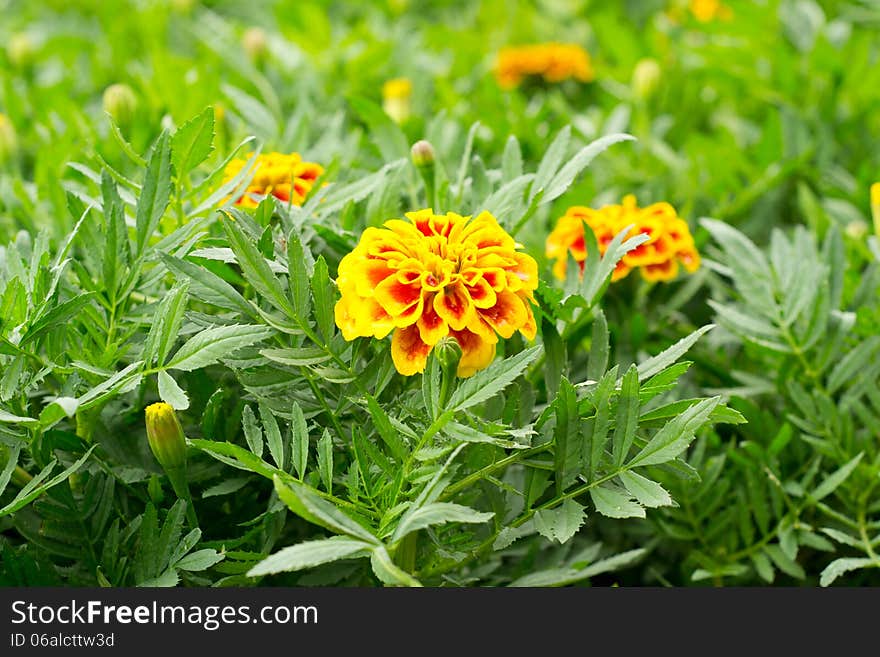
{"x":476,"y":353}
{"x":432,"y":327}
{"x":507,"y":315}
{"x":454,"y":305}
{"x":530,"y":328}
{"x":398,"y":297}
{"x":408,"y":351}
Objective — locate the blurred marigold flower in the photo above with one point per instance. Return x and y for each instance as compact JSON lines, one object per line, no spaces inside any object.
{"x":8,"y":139}
{"x":286,"y":177}
{"x":553,"y":62}
{"x":669,"y":243}
{"x":396,"y":97}
{"x":706,"y":11}
{"x":436,"y":276}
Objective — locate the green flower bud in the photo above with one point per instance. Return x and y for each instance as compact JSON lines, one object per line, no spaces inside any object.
{"x":120,"y":102}
{"x":20,"y":50}
{"x":166,"y":436}
{"x":255,"y":43}
{"x":646,"y":78}
{"x":8,"y":139}
{"x":422,"y":154}
{"x":448,"y":353}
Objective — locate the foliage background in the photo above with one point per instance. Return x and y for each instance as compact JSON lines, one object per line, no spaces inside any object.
{"x":766,"y":123}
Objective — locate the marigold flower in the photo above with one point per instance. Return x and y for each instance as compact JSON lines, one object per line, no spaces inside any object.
{"x":436,"y":276}
{"x":706,"y":11}
{"x":553,"y":62}
{"x":669,"y":243}
{"x":286,"y":177}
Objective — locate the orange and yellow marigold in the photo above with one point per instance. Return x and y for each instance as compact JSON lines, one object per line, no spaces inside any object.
{"x":669,"y":243}
{"x":709,"y":10}
{"x":553,"y":62}
{"x":286,"y":177}
{"x":433,"y":276}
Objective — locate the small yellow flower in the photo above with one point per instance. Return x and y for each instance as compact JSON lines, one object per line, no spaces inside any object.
{"x":396,"y":99}
{"x":646,"y":78}
{"x":553,"y":62}
{"x":435,"y":276}
{"x":255,"y":43}
{"x":286,"y":177}
{"x":669,"y":244}
{"x":706,"y":11}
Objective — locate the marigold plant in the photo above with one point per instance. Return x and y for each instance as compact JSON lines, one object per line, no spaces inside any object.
{"x":553,"y":62}
{"x":669,"y":243}
{"x":436,"y":276}
{"x":286,"y":177}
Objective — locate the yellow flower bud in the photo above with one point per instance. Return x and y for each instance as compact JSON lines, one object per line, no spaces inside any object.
{"x":20,"y":50}
{"x":8,"y":139}
{"x":255,"y":43}
{"x":120,"y":102}
{"x":646,"y":78}
{"x":857,"y":229}
{"x":165,"y":436}
{"x":396,"y":97}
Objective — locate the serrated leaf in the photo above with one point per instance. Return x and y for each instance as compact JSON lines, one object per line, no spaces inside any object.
{"x":489,"y":382}
{"x":676,"y":435}
{"x":842,"y":566}
{"x":437,"y":513}
{"x":627,"y":418}
{"x":155,"y":193}
{"x":835,"y":479}
{"x":193,"y":142}
{"x":322,"y":292}
{"x":273,"y":435}
{"x":549,"y":164}
{"x":648,"y":493}
{"x":325,"y":461}
{"x":613,"y":503}
{"x":199,"y":560}
{"x":212,"y":344}
{"x":567,"y":576}
{"x":569,"y":171}
{"x":387,"y":571}
{"x":299,"y":440}
{"x":668,"y":356}
{"x":171,"y":393}
{"x":311,"y":554}
{"x":561,"y":523}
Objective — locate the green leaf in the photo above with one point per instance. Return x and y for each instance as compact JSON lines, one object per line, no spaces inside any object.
{"x":676,"y":435}
{"x":199,"y":560}
{"x":171,"y":393}
{"x":208,"y":287}
{"x":648,"y":493}
{"x":323,"y":293}
{"x":551,"y":161}
{"x":325,"y":461}
{"x":387,"y":571}
{"x":492,"y":380}
{"x":568,"y":451}
{"x":386,"y":430}
{"x":255,"y":268}
{"x":273,"y":435}
{"x":566,"y":175}
{"x":384,"y":132}
{"x":299,"y":440}
{"x":668,"y":356}
{"x":59,"y":408}
{"x":35,"y":487}
{"x":339,"y":195}
{"x":57,"y":316}
{"x":171,"y":319}
{"x":839,"y":567}
{"x":253,"y":434}
{"x":308,"y":504}
{"x":763,"y":567}
{"x":8,"y":468}
{"x":846,"y":369}
{"x":627,"y":418}
{"x":298,"y":276}
{"x":235,"y":456}
{"x":786,"y":564}
{"x":210,"y":345}
{"x":561,"y":523}
{"x":193,"y":142}
{"x":155,"y":193}
{"x":598,"y":348}
{"x":567,"y":576}
{"x":835,"y":479}
{"x":613,"y":503}
{"x":311,"y":554}
{"x":297,"y":356}
{"x":511,"y":160}
{"x":437,"y":513}
{"x":27,"y":422}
